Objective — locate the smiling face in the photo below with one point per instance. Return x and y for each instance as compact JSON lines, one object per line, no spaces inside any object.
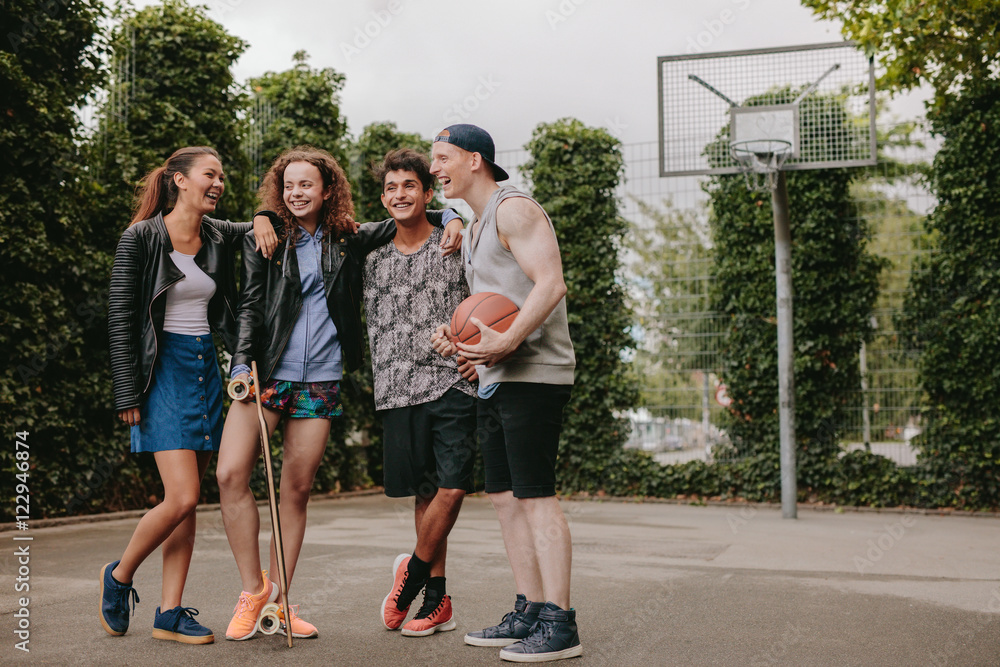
{"x":404,"y":197}
{"x":304,"y":193}
{"x":453,"y":168}
{"x":202,"y":186}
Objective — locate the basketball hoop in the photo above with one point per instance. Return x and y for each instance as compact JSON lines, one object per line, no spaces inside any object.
{"x":760,"y":160}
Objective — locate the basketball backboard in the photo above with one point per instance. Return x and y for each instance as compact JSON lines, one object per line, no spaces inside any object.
{"x":819,"y":98}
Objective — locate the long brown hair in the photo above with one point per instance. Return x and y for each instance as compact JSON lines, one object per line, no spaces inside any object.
{"x":157,"y":191}
{"x":336,"y":212}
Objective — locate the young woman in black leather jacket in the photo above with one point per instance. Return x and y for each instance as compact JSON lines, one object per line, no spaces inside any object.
{"x":173,"y":285}
{"x":299,"y":320}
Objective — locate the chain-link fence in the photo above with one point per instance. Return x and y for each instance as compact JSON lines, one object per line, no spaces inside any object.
{"x":677,"y":334}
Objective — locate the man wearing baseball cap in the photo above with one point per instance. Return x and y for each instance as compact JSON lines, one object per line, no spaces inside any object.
{"x":526,"y":375}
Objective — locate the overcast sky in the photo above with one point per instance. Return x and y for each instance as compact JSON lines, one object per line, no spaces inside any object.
{"x":505,"y":65}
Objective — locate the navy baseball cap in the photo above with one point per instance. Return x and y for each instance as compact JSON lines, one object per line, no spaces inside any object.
{"x":475,"y":140}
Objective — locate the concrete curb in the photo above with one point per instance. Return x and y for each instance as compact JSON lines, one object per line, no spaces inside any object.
{"x":208,"y":507}
{"x":813,"y":507}
{"x":134,"y":514}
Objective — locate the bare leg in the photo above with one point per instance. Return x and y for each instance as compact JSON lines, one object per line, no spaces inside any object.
{"x":435,"y":516}
{"x":305,"y":443}
{"x":178,"y":547}
{"x":181,"y":490}
{"x":238,"y":456}
{"x":519,"y":542}
{"x":553,"y":547}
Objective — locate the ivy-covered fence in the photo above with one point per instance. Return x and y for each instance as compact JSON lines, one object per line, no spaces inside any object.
{"x":953,"y":309}
{"x":865,"y":442}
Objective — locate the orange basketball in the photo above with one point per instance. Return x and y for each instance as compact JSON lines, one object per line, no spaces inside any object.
{"x":494,"y":310}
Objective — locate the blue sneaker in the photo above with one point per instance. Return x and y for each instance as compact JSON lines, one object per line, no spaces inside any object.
{"x":178,"y":624}
{"x":115,"y":599}
{"x":516,"y":625}
{"x":553,"y":637}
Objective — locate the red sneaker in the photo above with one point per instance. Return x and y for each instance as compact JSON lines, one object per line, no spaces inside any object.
{"x":434,"y":616}
{"x":392,"y":617}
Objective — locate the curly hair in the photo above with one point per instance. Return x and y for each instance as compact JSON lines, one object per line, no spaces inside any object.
{"x":337,"y":211}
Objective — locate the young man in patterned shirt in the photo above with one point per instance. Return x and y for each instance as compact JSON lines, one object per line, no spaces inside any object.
{"x":427,"y":403}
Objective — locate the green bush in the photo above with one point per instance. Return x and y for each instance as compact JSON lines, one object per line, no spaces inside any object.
{"x":574,"y":171}
{"x":954,"y":305}
{"x":55,"y":384}
{"x":835,"y":284}
{"x":866,"y":479}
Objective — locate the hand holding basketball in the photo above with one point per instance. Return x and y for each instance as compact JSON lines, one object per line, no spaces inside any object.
{"x":478,"y":325}
{"x":489,"y":308}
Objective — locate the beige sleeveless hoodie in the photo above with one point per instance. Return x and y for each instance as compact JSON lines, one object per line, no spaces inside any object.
{"x":546,"y":355}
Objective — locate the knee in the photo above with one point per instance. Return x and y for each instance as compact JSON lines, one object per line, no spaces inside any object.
{"x":296,"y":492}
{"x":503,"y":501}
{"x":230,"y":479}
{"x":183,"y":502}
{"x":451,"y":496}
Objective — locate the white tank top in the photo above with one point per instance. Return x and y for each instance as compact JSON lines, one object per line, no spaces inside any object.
{"x":187,"y":300}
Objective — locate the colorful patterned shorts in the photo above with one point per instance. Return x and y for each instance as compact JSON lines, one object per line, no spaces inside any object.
{"x":303,"y":400}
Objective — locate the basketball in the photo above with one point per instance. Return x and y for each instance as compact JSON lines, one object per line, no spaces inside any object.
{"x":494,"y":310}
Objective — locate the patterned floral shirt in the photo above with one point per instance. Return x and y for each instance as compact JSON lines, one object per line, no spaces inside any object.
{"x":406,"y":298}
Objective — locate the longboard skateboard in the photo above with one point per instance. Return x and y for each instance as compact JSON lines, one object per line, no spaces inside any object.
{"x":268,"y":621}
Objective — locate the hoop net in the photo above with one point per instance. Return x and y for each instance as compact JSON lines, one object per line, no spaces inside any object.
{"x":760,"y":160}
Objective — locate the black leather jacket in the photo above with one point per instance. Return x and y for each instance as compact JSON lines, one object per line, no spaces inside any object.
{"x":271,"y":296}
{"x":137,"y":300}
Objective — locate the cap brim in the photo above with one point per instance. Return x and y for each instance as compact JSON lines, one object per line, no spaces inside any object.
{"x":498,"y":173}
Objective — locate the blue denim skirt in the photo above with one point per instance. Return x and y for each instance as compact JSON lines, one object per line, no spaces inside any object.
{"x":183,"y":409}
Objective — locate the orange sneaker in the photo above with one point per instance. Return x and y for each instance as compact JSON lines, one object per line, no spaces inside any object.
{"x":434,"y":616}
{"x":300,"y":628}
{"x":392,"y":617}
{"x":248,"y":608}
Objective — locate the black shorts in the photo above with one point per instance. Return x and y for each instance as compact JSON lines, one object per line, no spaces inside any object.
{"x":519,"y":427}
{"x":430,"y":446}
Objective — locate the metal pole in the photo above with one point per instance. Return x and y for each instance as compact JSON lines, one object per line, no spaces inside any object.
{"x":866,"y":422}
{"x":786,"y":358}
{"x":705,"y":417}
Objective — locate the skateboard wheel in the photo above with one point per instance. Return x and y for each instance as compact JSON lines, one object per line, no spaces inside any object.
{"x":239,"y":389}
{"x":268,"y":621}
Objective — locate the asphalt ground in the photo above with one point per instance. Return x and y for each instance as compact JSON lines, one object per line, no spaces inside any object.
{"x":653,"y":584}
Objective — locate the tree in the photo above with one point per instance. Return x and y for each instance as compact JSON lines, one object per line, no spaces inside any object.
{"x":944,"y":44}
{"x":172,"y":86}
{"x":575,"y":171}
{"x":953,"y":308}
{"x":375,"y":141}
{"x":55,"y":384}
{"x":835,"y":281}
{"x":169,"y":85}
{"x":672,"y":274}
{"x":298,"y":106}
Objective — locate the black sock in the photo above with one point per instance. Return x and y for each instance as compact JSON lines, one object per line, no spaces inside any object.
{"x":435,"y":588}
{"x":417,"y":571}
